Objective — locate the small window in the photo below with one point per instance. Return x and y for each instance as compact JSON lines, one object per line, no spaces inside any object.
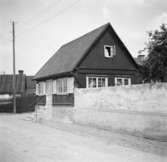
{"x":109,"y":51}
{"x":95,"y":82}
{"x":122,"y":81}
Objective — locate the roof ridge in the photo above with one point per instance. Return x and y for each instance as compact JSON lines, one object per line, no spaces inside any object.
{"x":93,"y":30}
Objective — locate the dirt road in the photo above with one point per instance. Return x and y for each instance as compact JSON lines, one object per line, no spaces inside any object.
{"x":23,"y":140}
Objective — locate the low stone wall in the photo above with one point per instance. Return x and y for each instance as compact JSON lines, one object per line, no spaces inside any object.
{"x":63,"y":113}
{"x":143,"y":97}
{"x":138,"y":109}
{"x":149,"y":125}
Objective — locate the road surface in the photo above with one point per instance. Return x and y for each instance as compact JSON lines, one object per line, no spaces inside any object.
{"x":23,"y":140}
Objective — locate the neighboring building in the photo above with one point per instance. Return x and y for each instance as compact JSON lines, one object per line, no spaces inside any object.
{"x":24,"y":86}
{"x":97,"y":59}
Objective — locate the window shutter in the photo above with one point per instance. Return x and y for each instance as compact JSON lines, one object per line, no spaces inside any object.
{"x":106,"y":82}
{"x":48,"y":87}
{"x":54,"y":87}
{"x":129,"y":81}
{"x":70,"y":85}
{"x":43,"y":86}
{"x":37,"y":89}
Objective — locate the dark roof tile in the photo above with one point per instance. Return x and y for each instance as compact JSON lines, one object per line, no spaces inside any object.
{"x":67,"y":57}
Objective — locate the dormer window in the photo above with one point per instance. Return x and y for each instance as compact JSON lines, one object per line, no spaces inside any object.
{"x":109,"y":51}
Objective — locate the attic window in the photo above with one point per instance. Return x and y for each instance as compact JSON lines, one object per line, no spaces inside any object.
{"x":109,"y":51}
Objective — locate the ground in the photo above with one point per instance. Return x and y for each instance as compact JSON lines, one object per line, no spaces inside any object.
{"x":24,"y":140}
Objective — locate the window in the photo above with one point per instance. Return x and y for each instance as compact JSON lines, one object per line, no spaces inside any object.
{"x":95,"y":82}
{"x":122,"y":81}
{"x":109,"y":51}
{"x":63,"y":85}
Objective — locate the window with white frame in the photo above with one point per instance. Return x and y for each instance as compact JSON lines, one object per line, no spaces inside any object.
{"x":40,"y":88}
{"x":95,"y":82}
{"x":109,"y":51}
{"x":63,"y":85}
{"x":122,"y":81}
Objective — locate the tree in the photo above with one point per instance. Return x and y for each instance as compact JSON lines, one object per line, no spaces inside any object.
{"x":156,"y":63}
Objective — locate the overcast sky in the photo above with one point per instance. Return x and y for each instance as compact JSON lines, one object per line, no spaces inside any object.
{"x":42,"y":26}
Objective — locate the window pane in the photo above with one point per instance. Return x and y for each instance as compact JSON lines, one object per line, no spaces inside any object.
{"x":126,"y":81}
{"x":103,"y":82}
{"x":94,"y":82}
{"x":109,"y":50}
{"x":99,"y":82}
{"x":64,"y":86}
{"x":90,"y":80}
{"x":119,"y":81}
{"x":58,"y":86}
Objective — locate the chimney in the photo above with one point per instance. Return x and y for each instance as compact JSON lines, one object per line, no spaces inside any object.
{"x":141,"y":57}
{"x":20,"y":72}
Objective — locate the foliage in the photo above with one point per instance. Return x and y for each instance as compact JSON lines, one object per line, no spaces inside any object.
{"x":155,"y":67}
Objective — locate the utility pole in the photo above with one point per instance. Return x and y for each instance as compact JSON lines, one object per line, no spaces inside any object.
{"x":14,"y":73}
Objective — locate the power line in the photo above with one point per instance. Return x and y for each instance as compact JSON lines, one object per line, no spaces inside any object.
{"x":48,"y":7}
{"x":66,"y":8}
{"x":63,"y":10}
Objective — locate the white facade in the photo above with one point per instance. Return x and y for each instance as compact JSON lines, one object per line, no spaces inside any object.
{"x":61,"y":86}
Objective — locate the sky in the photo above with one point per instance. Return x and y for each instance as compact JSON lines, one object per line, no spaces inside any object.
{"x":42,"y":26}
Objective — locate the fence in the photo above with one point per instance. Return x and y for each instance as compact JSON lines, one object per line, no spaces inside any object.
{"x":24,"y":103}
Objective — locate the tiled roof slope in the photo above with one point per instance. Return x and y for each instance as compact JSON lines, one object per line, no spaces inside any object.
{"x":67,"y":57}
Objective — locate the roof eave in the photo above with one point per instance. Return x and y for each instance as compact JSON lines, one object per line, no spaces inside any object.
{"x":54,"y":76}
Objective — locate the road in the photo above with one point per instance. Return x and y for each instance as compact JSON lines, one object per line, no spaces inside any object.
{"x":23,"y":140}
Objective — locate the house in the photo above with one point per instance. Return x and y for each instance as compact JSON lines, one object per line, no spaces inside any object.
{"x":96,"y":59}
{"x":24,"y":85}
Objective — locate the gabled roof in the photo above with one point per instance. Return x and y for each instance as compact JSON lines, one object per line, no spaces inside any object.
{"x":69,"y":55}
